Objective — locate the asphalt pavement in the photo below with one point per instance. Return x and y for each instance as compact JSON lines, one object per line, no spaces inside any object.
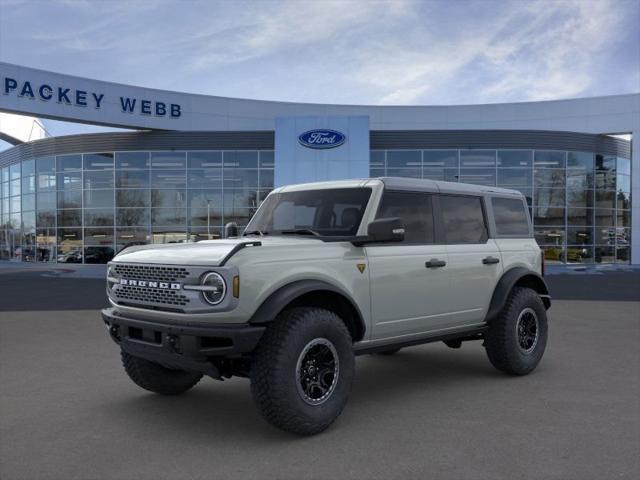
{"x":68,"y":411}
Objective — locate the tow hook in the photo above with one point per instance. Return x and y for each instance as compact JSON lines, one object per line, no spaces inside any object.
{"x":114,"y":331}
{"x":173,"y":343}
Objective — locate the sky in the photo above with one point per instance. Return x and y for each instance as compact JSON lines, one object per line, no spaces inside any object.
{"x":394,"y":52}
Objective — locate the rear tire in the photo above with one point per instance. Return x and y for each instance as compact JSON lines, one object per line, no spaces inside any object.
{"x":302,"y":370}
{"x":156,"y":378}
{"x":516,"y":339}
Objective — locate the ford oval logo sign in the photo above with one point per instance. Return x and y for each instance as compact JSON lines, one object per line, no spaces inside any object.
{"x":322,"y":138}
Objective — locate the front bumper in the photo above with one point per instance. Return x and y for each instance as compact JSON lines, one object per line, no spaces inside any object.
{"x":190,"y":348}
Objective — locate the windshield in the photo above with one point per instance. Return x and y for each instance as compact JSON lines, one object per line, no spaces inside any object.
{"x":332,"y":212}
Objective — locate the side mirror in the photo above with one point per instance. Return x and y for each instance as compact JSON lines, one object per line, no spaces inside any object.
{"x":385,"y":230}
{"x":231,"y":230}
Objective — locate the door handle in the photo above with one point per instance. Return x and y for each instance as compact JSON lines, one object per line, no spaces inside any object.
{"x":490,"y":260}
{"x":435,"y":263}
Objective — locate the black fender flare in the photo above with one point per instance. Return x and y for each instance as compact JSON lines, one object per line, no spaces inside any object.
{"x":511,"y":278}
{"x":286,"y":294}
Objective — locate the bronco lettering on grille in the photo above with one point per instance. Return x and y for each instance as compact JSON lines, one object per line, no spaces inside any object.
{"x":150,"y":284}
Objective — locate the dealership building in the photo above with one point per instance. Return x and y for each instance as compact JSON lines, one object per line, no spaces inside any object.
{"x":193,"y":163}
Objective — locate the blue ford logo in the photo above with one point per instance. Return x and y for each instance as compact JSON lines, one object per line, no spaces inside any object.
{"x":322,"y":138}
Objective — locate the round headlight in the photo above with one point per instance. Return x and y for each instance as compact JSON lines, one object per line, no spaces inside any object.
{"x":216,"y":288}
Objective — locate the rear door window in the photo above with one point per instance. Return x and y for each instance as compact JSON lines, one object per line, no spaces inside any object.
{"x":511,"y":217}
{"x":463,"y":219}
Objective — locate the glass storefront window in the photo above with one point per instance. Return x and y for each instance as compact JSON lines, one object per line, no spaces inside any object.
{"x":132,"y":217}
{"x":132,"y":179}
{"x":623,"y":166}
{"x":28,"y":168}
{"x":189,"y":196}
{"x":623,"y":218}
{"x":549,"y":159}
{"x":582,"y":160}
{"x":69,"y":180}
{"x":98,"y":217}
{"x":204,"y":160}
{"x":404,"y":159}
{"x":376,"y":160}
{"x":604,"y":217}
{"x":46,"y":219}
{"x":168,"y":198}
{"x":210,"y":177}
{"x":544,"y":197}
{"x":405,"y":172}
{"x":29,"y":202}
{"x":133,"y":198}
{"x":69,"y":162}
{"x":46,"y":182}
{"x":477,"y":158}
{"x":68,"y":199}
{"x":168,"y":160}
{"x":46,"y":201}
{"x":97,"y":161}
{"x":70,"y":218}
{"x":98,"y":199}
{"x":578,"y":197}
{"x":478,"y":176}
{"x":550,"y":236}
{"x":45,"y":165}
{"x":267,"y":159}
{"x":549,"y":178}
{"x":440,"y":159}
{"x":69,"y":249}
{"x":239,"y":178}
{"x":580,"y":216}
{"x":98,"y":179}
{"x":169,"y":217}
{"x":443,"y":174}
{"x":623,"y":183}
{"x":579,"y":254}
{"x":604,"y":254}
{"x":28,"y":184}
{"x":168,"y":179}
{"x":129,"y":237}
{"x":548,"y":216}
{"x":135,"y":160}
{"x":515,"y":158}
{"x":553,"y":255}
{"x":240,"y":159}
{"x":580,"y":236}
{"x":514,"y":177}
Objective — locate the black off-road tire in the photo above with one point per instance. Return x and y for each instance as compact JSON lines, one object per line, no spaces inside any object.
{"x":502,"y":342}
{"x":391,"y":351}
{"x":156,"y":378}
{"x":275,"y":380}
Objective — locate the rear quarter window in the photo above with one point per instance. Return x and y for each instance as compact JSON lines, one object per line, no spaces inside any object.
{"x":511,"y":217}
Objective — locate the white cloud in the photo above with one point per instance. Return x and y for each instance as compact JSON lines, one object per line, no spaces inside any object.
{"x":386,"y":51}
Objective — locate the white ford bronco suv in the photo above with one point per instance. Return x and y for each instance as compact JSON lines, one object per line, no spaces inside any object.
{"x":324,"y":272}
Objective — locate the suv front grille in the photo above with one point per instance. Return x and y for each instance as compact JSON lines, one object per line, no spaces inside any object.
{"x":144,"y":295}
{"x":151,"y":272}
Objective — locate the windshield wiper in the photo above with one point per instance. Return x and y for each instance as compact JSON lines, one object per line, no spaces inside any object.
{"x":301,"y":231}
{"x":255,"y":232}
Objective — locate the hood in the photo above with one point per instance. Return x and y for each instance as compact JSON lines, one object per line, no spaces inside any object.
{"x":208,"y":252}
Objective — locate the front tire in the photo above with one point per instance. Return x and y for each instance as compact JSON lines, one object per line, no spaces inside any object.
{"x":156,"y":378}
{"x":516,"y":339}
{"x":302,"y":370}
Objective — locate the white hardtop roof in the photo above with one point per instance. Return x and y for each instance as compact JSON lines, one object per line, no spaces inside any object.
{"x":402,"y":183}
